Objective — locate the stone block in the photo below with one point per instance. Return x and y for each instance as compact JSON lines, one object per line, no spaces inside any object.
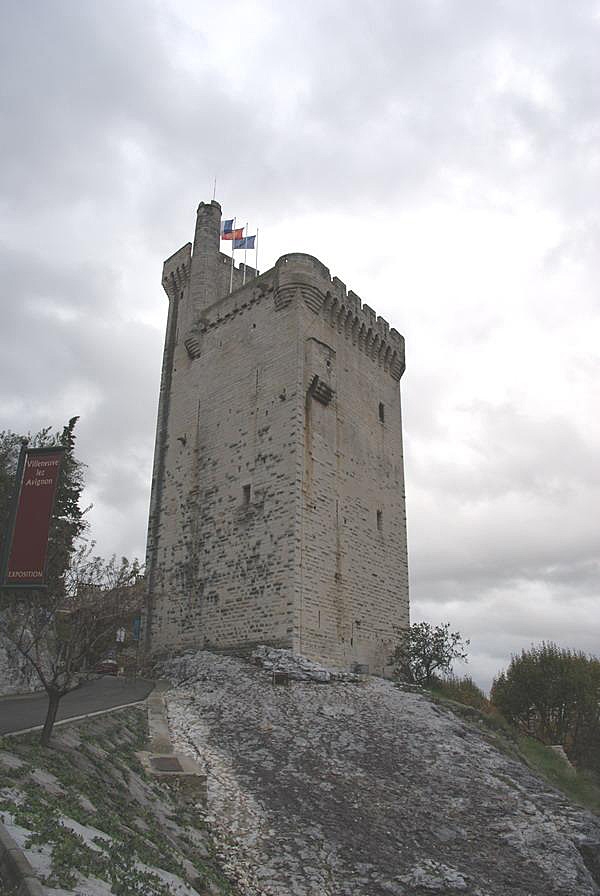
{"x":178,"y":771}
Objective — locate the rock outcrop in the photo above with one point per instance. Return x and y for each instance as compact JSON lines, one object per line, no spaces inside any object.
{"x":346,"y":788}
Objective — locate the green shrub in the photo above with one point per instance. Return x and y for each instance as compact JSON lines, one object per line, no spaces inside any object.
{"x":553,"y":695}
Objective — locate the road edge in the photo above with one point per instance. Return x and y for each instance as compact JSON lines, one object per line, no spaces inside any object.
{"x":81,"y":718}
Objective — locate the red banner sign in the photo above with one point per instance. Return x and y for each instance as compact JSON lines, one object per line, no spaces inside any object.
{"x":28,"y":547}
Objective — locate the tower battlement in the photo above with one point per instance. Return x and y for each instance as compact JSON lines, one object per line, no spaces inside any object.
{"x":299,"y":276}
{"x":294,"y":277}
{"x":277,"y":510}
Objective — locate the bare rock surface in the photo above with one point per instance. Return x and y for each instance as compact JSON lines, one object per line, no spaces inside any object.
{"x":364,"y":789}
{"x":297,"y":668}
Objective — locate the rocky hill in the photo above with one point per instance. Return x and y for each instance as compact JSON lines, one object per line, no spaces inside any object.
{"x":349,"y":788}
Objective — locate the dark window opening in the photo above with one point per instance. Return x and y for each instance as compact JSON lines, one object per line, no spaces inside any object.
{"x":247,"y":493}
{"x":381,"y":412}
{"x":380,"y":520}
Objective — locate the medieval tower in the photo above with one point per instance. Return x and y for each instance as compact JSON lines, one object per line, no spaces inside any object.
{"x":277,"y":513}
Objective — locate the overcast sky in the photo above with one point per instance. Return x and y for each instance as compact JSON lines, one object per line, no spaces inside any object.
{"x":442,"y":157}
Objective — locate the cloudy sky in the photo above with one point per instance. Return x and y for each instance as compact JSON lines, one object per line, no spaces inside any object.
{"x":441,"y":156}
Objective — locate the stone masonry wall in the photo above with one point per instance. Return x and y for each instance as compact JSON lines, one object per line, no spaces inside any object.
{"x":354,"y":571}
{"x":225,"y":550}
{"x":352,"y":588}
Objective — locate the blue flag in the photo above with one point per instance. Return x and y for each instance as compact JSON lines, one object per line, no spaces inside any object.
{"x":247,"y":242}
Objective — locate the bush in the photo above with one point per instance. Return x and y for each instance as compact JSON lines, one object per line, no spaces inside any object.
{"x":426,"y":649}
{"x":553,"y":695}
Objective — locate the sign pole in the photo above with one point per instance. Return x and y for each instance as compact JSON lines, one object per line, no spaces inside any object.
{"x":232,"y":245}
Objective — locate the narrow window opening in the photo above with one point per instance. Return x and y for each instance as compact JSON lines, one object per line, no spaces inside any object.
{"x":380,"y":520}
{"x":247,"y":494}
{"x":381,"y":412}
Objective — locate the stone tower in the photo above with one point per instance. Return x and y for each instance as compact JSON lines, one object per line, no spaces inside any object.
{"x":277,"y":512}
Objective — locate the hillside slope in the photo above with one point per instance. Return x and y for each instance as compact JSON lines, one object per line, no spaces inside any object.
{"x":346,"y":789}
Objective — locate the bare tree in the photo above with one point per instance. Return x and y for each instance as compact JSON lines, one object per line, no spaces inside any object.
{"x":59,"y":630}
{"x":59,"y":634}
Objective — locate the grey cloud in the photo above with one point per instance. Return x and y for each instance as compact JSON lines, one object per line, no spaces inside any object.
{"x":506,"y":451}
{"x":119,"y":115}
{"x":87,"y":360}
{"x":405,"y":93}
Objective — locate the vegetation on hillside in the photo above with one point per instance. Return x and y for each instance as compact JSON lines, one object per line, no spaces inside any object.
{"x":461,"y":695}
{"x":131,"y":826}
{"x":548,"y":697}
{"x":553,"y":695}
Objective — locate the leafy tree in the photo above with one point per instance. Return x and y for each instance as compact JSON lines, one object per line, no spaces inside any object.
{"x":425,"y":650}
{"x":58,"y":630}
{"x":10,"y":446}
{"x":553,"y":695}
{"x":68,"y":520}
{"x":68,"y":523}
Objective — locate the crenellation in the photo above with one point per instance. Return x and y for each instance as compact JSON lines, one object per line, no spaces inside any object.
{"x":176,"y":271}
{"x":370,"y":315}
{"x":229,"y":306}
{"x":354,"y":302}
{"x":384,"y":327}
{"x":338,"y":287}
{"x":181,"y":258}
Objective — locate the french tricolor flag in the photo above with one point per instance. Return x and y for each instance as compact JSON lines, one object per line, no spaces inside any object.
{"x":228,"y":232}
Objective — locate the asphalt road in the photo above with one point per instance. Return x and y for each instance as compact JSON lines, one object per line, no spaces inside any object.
{"x":17,"y":713}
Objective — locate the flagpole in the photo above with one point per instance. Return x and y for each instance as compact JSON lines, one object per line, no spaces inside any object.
{"x":232,"y":251}
{"x":245,"y":250}
{"x":256,"y":256}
